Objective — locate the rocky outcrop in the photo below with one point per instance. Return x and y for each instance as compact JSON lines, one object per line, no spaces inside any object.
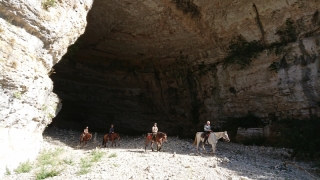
{"x":175,"y":62}
{"x":33,"y":37}
{"x":181,"y":63}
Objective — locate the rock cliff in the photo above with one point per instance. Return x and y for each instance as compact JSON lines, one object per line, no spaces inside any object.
{"x":33,"y":37}
{"x":183,"y":62}
{"x":175,"y":62}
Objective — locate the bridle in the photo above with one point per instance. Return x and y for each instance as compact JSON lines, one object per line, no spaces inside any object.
{"x":225,"y":137}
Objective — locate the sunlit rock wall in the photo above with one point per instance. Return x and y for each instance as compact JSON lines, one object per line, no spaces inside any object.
{"x":33,"y":37}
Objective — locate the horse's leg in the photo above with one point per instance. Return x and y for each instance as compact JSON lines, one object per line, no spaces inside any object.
{"x":203,"y":147}
{"x":151,"y":145}
{"x":213,"y":148}
{"x":160,"y":146}
{"x":157,"y":144}
{"x":196,"y":142}
{"x":145,"y":147}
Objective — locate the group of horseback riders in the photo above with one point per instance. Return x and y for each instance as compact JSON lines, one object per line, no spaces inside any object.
{"x":207,"y":130}
{"x":86,"y":131}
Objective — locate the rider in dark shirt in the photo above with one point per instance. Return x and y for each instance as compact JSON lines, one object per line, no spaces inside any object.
{"x":111,"y":130}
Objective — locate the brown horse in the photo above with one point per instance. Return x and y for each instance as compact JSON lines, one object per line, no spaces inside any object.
{"x":113,"y":137}
{"x":160,"y":138}
{"x":84,"y":138}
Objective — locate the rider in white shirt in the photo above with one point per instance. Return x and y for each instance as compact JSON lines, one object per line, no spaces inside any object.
{"x":154,"y":130}
{"x":207,"y":130}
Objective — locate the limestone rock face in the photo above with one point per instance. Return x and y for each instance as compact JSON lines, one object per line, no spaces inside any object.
{"x":33,"y":37}
{"x":181,"y":63}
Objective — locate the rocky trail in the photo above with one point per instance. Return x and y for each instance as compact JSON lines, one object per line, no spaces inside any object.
{"x":177,"y":160}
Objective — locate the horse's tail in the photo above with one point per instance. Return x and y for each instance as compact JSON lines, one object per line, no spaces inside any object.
{"x":195,"y":140}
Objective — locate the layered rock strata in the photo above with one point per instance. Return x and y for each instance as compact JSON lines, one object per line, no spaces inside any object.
{"x":33,"y":37}
{"x":181,"y":63}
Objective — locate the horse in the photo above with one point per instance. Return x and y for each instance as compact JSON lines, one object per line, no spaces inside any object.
{"x":212,"y":139}
{"x":113,"y":137}
{"x":84,"y":138}
{"x":160,"y":138}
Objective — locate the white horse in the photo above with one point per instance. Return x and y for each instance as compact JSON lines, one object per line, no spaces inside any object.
{"x":212,"y":139}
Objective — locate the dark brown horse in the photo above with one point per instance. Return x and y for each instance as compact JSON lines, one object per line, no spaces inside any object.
{"x":160,"y":138}
{"x":84,"y":138}
{"x":113,"y":137}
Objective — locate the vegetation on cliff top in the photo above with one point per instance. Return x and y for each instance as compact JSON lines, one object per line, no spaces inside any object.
{"x":241,"y":52}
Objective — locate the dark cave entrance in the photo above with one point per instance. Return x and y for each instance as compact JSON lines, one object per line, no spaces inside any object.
{"x":112,"y":75}
{"x":98,"y":92}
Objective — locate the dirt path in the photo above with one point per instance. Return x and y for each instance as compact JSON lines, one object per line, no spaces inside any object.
{"x":178,"y":160}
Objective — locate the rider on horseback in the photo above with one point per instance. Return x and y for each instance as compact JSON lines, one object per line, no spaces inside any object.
{"x":154,"y":131}
{"x":111,"y":130}
{"x":207,"y":130}
{"x":85,"y":131}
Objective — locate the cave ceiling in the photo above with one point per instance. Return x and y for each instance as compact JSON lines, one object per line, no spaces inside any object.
{"x":147,"y":61}
{"x":149,"y":30}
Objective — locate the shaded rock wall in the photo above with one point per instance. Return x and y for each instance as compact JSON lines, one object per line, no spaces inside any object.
{"x":165,"y":61}
{"x":33,"y":37}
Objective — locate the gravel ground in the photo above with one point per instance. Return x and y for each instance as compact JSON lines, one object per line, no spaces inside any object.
{"x":177,"y":160}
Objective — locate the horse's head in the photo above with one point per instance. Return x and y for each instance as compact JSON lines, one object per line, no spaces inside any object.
{"x":165,"y":138}
{"x":118,"y":137}
{"x":225,"y":136}
{"x":162,"y":136}
{"x":88,"y":136}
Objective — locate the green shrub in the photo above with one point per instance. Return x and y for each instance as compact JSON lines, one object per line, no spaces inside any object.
{"x":68,"y":161}
{"x":85,"y":165}
{"x":112,"y":155}
{"x":46,"y":4}
{"x":275,"y":66}
{"x":288,"y":32}
{"x":44,"y":173}
{"x":24,"y":167}
{"x":47,"y":157}
{"x":8,"y":172}
{"x":96,"y":155}
{"x":17,"y":95}
{"x":241,"y":52}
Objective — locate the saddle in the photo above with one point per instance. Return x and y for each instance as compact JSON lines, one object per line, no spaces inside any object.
{"x":203,"y":135}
